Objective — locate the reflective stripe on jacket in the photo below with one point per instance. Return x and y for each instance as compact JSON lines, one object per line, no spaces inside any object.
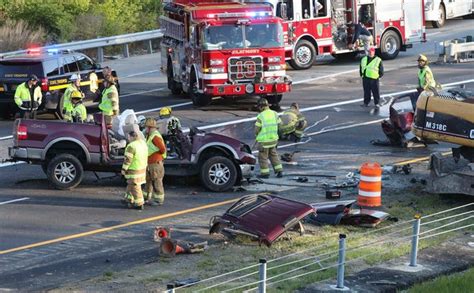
{"x":267,"y":126}
{"x":152,"y":148}
{"x":78,"y":110}
{"x":371,"y":70}
{"x":22,"y":94}
{"x":110,"y":101}
{"x":136,"y":159}
{"x":426,"y":78}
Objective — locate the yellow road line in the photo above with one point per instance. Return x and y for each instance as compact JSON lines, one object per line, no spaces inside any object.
{"x":418,"y":160}
{"x":102,"y":230}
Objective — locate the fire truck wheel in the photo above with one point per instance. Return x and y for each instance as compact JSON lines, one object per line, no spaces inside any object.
{"x":218,"y":173}
{"x":200,"y":100}
{"x":174,"y":86}
{"x":442,"y":17}
{"x":304,"y":55}
{"x":390,"y":45}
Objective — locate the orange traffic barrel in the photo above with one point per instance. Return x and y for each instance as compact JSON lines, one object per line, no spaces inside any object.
{"x":370,"y":185}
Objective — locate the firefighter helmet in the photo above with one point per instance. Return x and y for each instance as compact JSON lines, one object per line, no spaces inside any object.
{"x":422,"y":58}
{"x":165,"y":111}
{"x":262,"y":102}
{"x":150,"y":122}
{"x":295,"y":105}
{"x":75,"y":77}
{"x":76,"y":95}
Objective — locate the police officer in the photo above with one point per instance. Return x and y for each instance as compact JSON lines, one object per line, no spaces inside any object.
{"x":109,"y":104}
{"x":266,"y":131}
{"x":371,"y":70}
{"x":425,"y":78}
{"x":28,"y":97}
{"x":75,"y":111}
{"x":134,"y":169}
{"x":75,"y":85}
{"x":292,"y":124}
{"x":154,"y":191}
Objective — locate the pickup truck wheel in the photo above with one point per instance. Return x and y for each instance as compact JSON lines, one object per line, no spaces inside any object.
{"x":218,"y":174}
{"x":65,"y":171}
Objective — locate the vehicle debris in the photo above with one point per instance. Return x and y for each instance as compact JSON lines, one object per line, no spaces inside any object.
{"x":333,"y":194}
{"x":263,"y":217}
{"x":171,"y":247}
{"x":345,"y":213}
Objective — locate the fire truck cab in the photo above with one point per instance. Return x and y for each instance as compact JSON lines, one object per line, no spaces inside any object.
{"x":326,"y":27}
{"x":223,"y":49}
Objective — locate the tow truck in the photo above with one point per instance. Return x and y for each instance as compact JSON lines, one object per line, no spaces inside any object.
{"x":223,"y":49}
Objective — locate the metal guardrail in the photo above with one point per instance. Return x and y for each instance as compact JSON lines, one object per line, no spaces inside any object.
{"x":458,"y":50}
{"x":100,"y":43}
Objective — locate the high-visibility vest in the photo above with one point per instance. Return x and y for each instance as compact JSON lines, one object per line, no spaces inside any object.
{"x":268,"y":121}
{"x":422,"y":82}
{"x":152,"y":148}
{"x":371,"y":70}
{"x":78,"y":110}
{"x":67,"y":97}
{"x":106,"y":105}
{"x":136,"y":154}
{"x":22,"y":94}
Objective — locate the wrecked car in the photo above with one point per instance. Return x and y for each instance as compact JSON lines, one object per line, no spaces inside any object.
{"x":263,"y":217}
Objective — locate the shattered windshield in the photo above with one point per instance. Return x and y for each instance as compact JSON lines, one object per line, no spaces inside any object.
{"x":242,"y":36}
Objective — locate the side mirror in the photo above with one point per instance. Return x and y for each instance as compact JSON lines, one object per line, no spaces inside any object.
{"x":284,"y":11}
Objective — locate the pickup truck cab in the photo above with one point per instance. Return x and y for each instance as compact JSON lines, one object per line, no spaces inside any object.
{"x":65,"y":150}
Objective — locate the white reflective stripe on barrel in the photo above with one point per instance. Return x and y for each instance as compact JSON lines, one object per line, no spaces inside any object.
{"x":370,"y":178}
{"x":370,"y":193}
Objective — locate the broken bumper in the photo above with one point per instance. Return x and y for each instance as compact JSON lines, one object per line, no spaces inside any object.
{"x":247,"y":170}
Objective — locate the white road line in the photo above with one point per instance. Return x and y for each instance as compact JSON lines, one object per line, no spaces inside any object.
{"x":140,"y":73}
{"x":14,"y":200}
{"x":325,"y":76}
{"x":2,"y":165}
{"x":142,"y":92}
{"x":432,"y":34}
{"x":6,"y":137}
{"x":171,"y":106}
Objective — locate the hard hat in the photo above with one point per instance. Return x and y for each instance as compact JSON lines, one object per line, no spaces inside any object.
{"x":423,"y":58}
{"x":262,"y":102}
{"x":295,"y":105}
{"x":165,"y":111}
{"x":76,"y":95}
{"x":150,"y":122}
{"x":141,"y":119}
{"x":33,"y":77}
{"x":75,"y":77}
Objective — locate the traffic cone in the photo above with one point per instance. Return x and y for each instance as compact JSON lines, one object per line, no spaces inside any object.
{"x":170,"y":247}
{"x":161,"y":232}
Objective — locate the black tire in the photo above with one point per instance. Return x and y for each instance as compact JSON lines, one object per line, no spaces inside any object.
{"x":390,"y":45}
{"x":198,"y":99}
{"x":218,"y":174}
{"x":173,"y":85}
{"x":274,"y":99}
{"x":65,"y":171}
{"x":303,"y":56}
{"x":442,"y":17}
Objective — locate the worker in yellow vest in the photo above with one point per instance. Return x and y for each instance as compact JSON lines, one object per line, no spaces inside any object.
{"x":109,"y":104}
{"x":154,"y":190}
{"x":134,"y":170}
{"x":371,"y":70}
{"x":292,"y":124}
{"x":75,"y":85}
{"x":425,"y":79}
{"x":75,"y":111}
{"x":266,"y":131}
{"x":28,"y":97}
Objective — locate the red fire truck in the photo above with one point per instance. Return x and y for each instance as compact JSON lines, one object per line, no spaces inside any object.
{"x":325,"y":27}
{"x":223,"y":48}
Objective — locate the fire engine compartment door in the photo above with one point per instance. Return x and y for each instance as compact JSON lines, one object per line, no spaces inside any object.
{"x":413,"y":17}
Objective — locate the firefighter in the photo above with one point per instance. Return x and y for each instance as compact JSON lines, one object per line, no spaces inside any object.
{"x":134,"y":169}
{"x":154,"y":191}
{"x":362,"y":33}
{"x":75,"y":111}
{"x":266,"y":132}
{"x":170,"y":127}
{"x":75,"y":85}
{"x":107,"y":72}
{"x":371,"y":70}
{"x":425,"y":79}
{"x":292,"y":124}
{"x":109,"y":104}
{"x":28,"y":97}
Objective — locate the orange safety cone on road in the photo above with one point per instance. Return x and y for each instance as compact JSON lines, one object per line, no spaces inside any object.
{"x":170,"y":247}
{"x":161,"y":232}
{"x":370,"y":185}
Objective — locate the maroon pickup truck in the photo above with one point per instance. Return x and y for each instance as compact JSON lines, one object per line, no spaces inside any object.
{"x":65,"y":150}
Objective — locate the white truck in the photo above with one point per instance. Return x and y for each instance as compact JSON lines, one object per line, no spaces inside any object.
{"x":437,"y":11}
